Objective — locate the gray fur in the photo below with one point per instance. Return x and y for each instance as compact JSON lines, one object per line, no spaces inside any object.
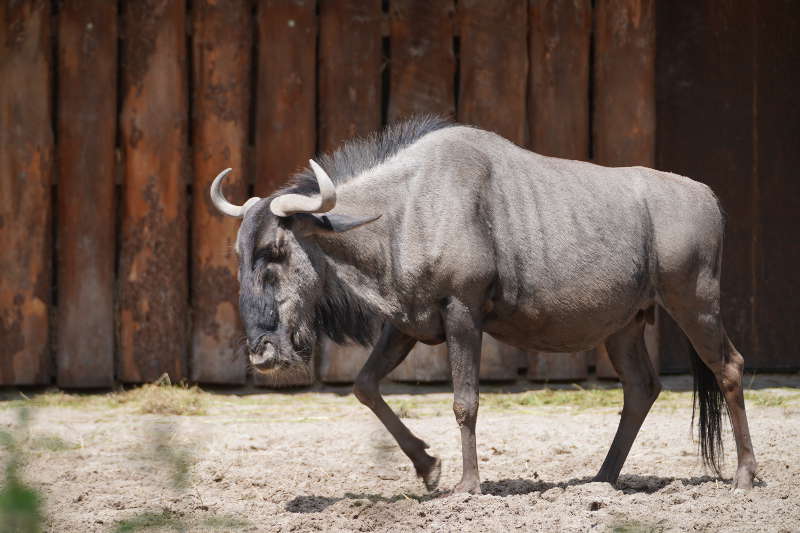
{"x":477,"y":234}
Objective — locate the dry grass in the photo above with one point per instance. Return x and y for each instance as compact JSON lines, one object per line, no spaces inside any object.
{"x":161,"y":397}
{"x":164,"y":398}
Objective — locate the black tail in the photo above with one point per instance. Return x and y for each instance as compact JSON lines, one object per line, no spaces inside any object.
{"x":709,"y":399}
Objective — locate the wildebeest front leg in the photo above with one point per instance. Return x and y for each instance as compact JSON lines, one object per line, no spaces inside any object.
{"x":464,"y":353}
{"x":640,"y":385}
{"x":390,"y":350}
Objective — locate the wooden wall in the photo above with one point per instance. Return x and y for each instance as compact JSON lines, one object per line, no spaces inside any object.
{"x":115,"y":116}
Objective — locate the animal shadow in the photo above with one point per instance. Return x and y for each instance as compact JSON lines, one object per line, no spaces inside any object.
{"x":628,"y":484}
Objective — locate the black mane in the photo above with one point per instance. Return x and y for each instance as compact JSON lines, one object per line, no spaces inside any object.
{"x":356,"y":156}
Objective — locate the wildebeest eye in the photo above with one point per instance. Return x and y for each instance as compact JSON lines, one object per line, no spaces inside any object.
{"x":271,"y":253}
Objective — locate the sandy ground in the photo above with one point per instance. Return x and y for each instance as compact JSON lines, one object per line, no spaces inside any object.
{"x":320,"y":462}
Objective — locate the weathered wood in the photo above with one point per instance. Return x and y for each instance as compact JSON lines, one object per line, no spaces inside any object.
{"x":285,"y":103}
{"x":425,"y":364}
{"x":87,"y":113}
{"x":494,"y":66}
{"x":499,"y":361}
{"x":547,"y":366}
{"x":340,"y":363}
{"x":776,"y":238}
{"x":558,"y":118}
{"x":603,"y":368}
{"x":492,"y":94}
{"x":349,"y":70}
{"x":221,"y":44}
{"x":26,"y":154}
{"x":558,"y":95}
{"x":705,"y":70}
{"x":423,"y":64}
{"x":624,"y":77}
{"x":153,"y":262}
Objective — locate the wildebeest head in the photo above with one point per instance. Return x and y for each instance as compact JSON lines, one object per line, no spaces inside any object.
{"x":282,"y":287}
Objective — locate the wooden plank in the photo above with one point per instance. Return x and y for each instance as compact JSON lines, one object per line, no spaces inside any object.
{"x":26,"y":154}
{"x":425,"y":364}
{"x":285,"y":104}
{"x":624,"y":82}
{"x":777,"y":235}
{"x":492,"y":94}
{"x":705,"y":70}
{"x":87,"y":122}
{"x":349,"y":70}
{"x":494,"y":66}
{"x":551,"y":366}
{"x":340,"y":363}
{"x":499,"y":361}
{"x":221,"y":44}
{"x":423,"y":64}
{"x":558,"y":117}
{"x":153,"y":262}
{"x":558,"y":95}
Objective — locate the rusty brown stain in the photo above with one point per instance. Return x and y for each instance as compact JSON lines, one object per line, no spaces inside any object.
{"x":26,"y":146}
{"x":153,"y":263}
{"x":139,"y":31}
{"x":222,"y":44}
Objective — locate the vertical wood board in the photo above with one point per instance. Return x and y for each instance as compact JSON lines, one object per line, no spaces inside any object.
{"x":705,"y":132}
{"x":153,"y":260}
{"x":26,"y":159}
{"x":350,"y":65}
{"x":624,"y":82}
{"x":87,"y":126}
{"x":423,"y":63}
{"x":221,"y":43}
{"x":558,"y":93}
{"x":777,"y":235}
{"x":494,"y":66}
{"x":340,"y":364}
{"x":285,"y":103}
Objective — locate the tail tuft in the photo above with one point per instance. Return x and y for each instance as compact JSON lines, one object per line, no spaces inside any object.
{"x":708,"y":399}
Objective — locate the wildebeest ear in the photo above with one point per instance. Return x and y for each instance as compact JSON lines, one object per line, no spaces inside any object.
{"x":337,"y":222}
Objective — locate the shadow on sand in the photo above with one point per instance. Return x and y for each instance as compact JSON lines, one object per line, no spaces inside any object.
{"x":628,"y":484}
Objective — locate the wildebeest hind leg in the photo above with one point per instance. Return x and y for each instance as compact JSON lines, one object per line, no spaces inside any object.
{"x":640,"y":385}
{"x":705,"y":330}
{"x":390,"y":350}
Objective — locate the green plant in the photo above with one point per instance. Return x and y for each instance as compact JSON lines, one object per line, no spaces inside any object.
{"x":20,"y":504}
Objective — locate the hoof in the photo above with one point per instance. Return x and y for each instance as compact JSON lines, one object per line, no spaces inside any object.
{"x":745,"y":475}
{"x":431,"y":477}
{"x":467,"y":487}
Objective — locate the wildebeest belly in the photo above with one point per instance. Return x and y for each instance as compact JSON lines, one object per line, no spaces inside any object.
{"x":571,"y":290}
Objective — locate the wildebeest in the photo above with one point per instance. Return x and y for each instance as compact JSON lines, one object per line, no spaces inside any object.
{"x":432,"y":232}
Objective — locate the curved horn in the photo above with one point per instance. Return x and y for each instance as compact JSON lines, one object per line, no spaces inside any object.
{"x":290,"y":204}
{"x":224,"y":205}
